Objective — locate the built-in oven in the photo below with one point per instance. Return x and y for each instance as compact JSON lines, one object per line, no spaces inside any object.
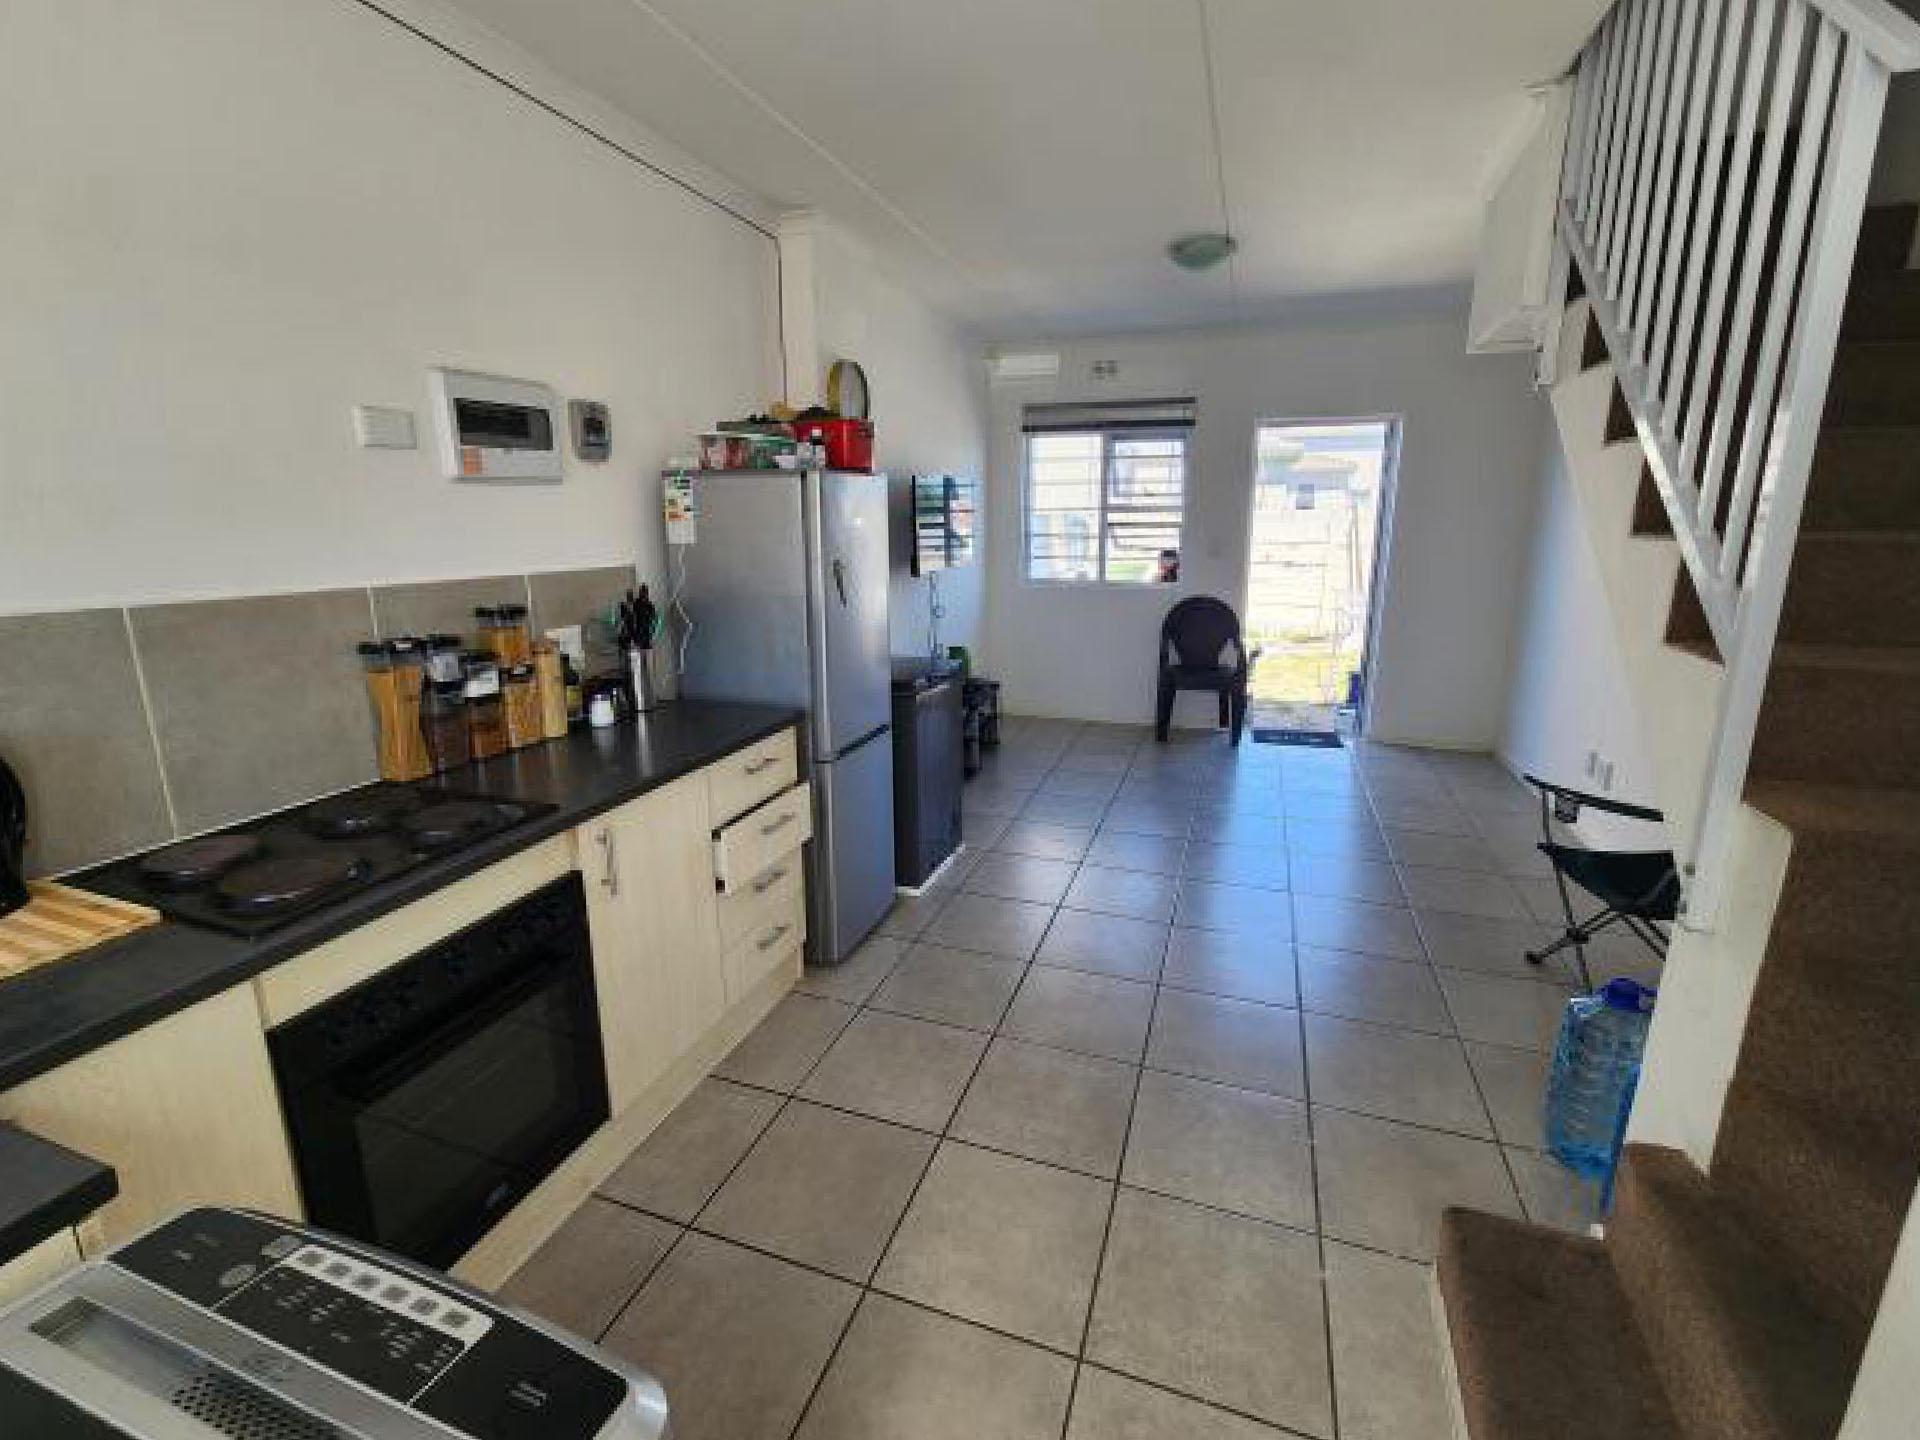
{"x":424,"y":1102}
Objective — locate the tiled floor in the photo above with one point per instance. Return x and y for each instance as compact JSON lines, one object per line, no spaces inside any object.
{"x":1138,"y":1123}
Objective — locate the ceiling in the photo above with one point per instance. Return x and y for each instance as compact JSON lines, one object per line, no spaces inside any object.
{"x":1028,"y":160}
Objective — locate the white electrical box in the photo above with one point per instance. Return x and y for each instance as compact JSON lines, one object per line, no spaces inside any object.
{"x":383,"y":427}
{"x":493,"y":428}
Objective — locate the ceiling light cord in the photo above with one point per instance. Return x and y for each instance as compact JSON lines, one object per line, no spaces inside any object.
{"x":1219,"y":155}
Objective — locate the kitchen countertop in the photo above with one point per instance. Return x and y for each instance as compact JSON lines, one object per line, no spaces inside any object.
{"x":53,"y":1014}
{"x":44,"y":1188}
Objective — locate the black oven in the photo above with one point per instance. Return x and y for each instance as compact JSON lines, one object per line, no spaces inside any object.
{"x":424,"y":1102}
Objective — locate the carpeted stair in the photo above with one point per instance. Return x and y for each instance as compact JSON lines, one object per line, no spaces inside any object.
{"x":1734,"y":1304}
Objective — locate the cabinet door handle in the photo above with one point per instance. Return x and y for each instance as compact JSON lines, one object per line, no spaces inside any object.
{"x":775,"y":827}
{"x":610,"y":877}
{"x":759,"y":767}
{"x":767,"y":881}
{"x":773,"y":938}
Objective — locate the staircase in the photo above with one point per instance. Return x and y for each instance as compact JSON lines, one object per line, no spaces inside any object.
{"x":1736,"y":1301}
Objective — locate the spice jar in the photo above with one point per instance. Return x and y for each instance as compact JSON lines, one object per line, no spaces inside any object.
{"x":550,"y":681}
{"x":502,"y":629}
{"x":486,"y":711}
{"x":522,"y":706}
{"x":443,"y":659}
{"x":443,"y":722}
{"x":394,"y":674}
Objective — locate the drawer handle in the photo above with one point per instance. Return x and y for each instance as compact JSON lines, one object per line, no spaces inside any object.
{"x":610,"y":876}
{"x":760,"y":766}
{"x":773,"y":939}
{"x":767,"y":881}
{"x":775,"y":827}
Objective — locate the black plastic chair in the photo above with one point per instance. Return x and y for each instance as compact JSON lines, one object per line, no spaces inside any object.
{"x":1639,"y":889}
{"x":1194,"y":640}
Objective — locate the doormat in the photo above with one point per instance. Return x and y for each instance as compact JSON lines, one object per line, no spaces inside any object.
{"x":1315,"y":739}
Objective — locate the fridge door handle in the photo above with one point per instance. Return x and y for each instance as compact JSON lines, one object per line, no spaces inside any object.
{"x":840,"y":579}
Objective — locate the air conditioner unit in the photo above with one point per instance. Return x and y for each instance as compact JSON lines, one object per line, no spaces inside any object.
{"x":1026,"y":365}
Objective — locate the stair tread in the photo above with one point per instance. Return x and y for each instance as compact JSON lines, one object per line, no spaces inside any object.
{"x":1746,"y":1352}
{"x":1543,"y":1341}
{"x":1875,"y":811}
{"x":1885,"y":659}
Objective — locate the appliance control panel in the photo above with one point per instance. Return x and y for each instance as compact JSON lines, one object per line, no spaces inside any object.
{"x":483,"y":1372}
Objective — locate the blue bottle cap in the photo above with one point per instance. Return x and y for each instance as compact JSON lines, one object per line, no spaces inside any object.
{"x":1624,"y":994}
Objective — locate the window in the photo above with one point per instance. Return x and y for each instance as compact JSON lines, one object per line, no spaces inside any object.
{"x":1106,"y":492}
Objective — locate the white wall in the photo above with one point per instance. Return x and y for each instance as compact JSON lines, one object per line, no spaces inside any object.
{"x":1453,"y":570}
{"x":1570,"y":691}
{"x":227,"y":221}
{"x":928,"y":382}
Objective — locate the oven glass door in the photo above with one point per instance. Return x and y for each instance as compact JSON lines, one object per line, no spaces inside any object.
{"x":422,"y":1142}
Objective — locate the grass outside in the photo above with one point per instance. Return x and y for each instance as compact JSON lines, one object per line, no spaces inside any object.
{"x":1293,"y":672}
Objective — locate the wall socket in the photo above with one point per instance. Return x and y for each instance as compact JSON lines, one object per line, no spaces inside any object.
{"x":1600,"y":770}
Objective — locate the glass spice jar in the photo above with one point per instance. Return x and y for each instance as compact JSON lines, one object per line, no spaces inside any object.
{"x":443,"y":722}
{"x":550,"y":680}
{"x":393,"y":673}
{"x":502,"y":629}
{"x":522,"y":703}
{"x":486,"y":711}
{"x":443,"y":659}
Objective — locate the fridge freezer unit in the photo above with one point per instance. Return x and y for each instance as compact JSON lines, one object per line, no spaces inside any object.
{"x":786,"y":589}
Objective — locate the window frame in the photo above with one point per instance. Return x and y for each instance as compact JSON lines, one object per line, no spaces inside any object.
{"x":1108,"y":434}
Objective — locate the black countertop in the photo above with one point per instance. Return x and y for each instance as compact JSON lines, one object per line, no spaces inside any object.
{"x":57,"y":1012}
{"x":44,"y":1188}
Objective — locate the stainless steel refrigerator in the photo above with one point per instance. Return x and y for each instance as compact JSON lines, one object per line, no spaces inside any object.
{"x":786,"y":589}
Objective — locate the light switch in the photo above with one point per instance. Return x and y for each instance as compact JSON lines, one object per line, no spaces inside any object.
{"x":383,"y":427}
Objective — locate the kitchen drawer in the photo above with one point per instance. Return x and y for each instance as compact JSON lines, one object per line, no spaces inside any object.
{"x":756,"y":774}
{"x":759,"y":900}
{"x":779,"y":930}
{"x":753,"y":842}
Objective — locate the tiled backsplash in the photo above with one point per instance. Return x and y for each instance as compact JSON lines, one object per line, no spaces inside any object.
{"x":129,"y":727}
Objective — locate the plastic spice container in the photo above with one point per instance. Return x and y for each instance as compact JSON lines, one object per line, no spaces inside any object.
{"x":503,"y":630}
{"x":550,"y":681}
{"x":443,"y":721}
{"x":486,"y":710}
{"x":443,"y":659}
{"x":394,"y":673}
{"x":522,"y":706}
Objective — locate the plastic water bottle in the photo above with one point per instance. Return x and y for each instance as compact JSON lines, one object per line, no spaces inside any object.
{"x":1596,"y":1065}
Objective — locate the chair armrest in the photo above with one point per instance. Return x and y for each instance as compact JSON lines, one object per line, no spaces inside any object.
{"x":1580,"y":798}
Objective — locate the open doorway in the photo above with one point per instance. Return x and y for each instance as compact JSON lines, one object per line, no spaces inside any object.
{"x":1321,"y":489}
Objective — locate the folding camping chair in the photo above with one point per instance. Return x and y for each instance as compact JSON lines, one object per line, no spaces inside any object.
{"x":1639,"y":889}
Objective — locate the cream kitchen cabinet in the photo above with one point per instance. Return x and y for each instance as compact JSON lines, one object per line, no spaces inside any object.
{"x":655,"y":921}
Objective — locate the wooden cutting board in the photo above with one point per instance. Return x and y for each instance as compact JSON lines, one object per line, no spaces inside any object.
{"x":59,"y":921}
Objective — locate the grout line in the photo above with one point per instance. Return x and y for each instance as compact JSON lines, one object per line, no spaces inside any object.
{"x":153,"y":723}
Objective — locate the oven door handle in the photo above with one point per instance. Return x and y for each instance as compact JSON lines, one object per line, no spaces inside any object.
{"x":423,"y":1048}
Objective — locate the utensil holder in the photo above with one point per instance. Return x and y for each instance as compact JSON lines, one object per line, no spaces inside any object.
{"x":640,"y":670}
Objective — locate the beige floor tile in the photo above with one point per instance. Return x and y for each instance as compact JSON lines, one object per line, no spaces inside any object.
{"x":1463,"y":892}
{"x":822,"y":1188}
{"x":1330,"y":924}
{"x":1347,"y":877}
{"x":586,"y":1273}
{"x":1139,"y":894}
{"x":1446,"y":852}
{"x":1241,"y":1150}
{"x":1515,"y":1084}
{"x":1050,"y":1105}
{"x":1359,"y":838}
{"x":677,"y":1168}
{"x":1223,"y":962}
{"x":983,"y":832}
{"x":1471,"y":942}
{"x":1094,"y":1014}
{"x":1213,"y":825}
{"x":1399,"y":1074}
{"x":1003,"y":1242}
{"x":1321,"y":805}
{"x":1442,"y":817}
{"x":907,"y":1374}
{"x":1384,"y":1184}
{"x":1542,"y":899}
{"x":911,"y":1072}
{"x":1104,"y":944}
{"x":910,"y":915}
{"x":1046,"y":842}
{"x":1522,"y":1013}
{"x":1064,"y":809}
{"x":1170,"y":822}
{"x":954,"y":987}
{"x":1020,"y":877}
{"x":738,"y":1339}
{"x":1236,"y":1042}
{"x":1554,"y":1195}
{"x":782,"y":1048}
{"x":854,"y":979}
{"x":1096,"y":784}
{"x":1245,"y":909}
{"x":1262,"y":866}
{"x":991,"y":925}
{"x":1365,"y":987}
{"x":1386,"y":1351}
{"x":1116,"y":848}
{"x":1107,"y":1406}
{"x":1215,"y":1305}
